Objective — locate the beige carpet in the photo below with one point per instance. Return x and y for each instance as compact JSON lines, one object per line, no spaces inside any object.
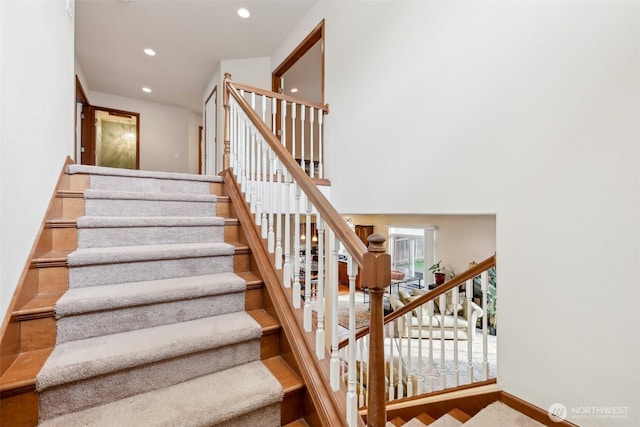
{"x":362,"y":314}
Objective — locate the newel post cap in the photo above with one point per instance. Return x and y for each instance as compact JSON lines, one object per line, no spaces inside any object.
{"x":377,"y":264}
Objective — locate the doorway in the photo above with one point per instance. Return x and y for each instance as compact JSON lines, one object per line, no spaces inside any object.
{"x":301,"y":74}
{"x":114,"y":139}
{"x":209,"y":147}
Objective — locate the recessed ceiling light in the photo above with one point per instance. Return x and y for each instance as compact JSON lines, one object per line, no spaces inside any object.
{"x":146,"y":89}
{"x":294,"y":89}
{"x":150,"y":52}
{"x":243,"y":13}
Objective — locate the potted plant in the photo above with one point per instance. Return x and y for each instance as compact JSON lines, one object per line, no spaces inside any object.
{"x":492,"y":301}
{"x":438,"y":272}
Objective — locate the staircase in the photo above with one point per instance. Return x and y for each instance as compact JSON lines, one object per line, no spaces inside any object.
{"x":163,"y":320}
{"x":494,"y":414}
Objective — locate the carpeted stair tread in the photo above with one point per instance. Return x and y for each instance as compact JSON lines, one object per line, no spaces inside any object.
{"x":134,"y":195}
{"x":156,"y":221}
{"x":110,"y":297}
{"x":100,"y":170}
{"x":500,"y":414}
{"x":414,"y":422}
{"x":215,"y":399}
{"x":118,"y":254}
{"x":76,"y":360}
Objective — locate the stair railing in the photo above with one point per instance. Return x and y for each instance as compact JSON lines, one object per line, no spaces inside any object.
{"x":278,"y":192}
{"x":426,"y":336}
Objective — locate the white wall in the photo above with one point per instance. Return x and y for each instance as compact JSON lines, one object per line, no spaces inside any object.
{"x":166,"y":132}
{"x":252,"y":71}
{"x":528,"y":110}
{"x":37,"y":87}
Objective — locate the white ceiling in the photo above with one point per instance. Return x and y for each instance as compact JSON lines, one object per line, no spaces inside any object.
{"x":190,"y":37}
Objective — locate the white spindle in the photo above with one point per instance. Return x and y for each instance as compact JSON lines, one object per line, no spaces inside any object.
{"x":303,"y":110}
{"x":484,"y":282}
{"x":286,"y":274}
{"x":471,"y":330}
{"x":443,"y":372}
{"x":361,"y":401}
{"x":352,"y":402}
{"x":456,"y":367}
{"x":264,"y":225}
{"x":392,"y":325}
{"x":296,"y":246}
{"x":307,"y":269}
{"x":420,"y":359}
{"x":334,"y":366}
{"x":271,"y":243}
{"x":320,"y":145}
{"x":279,"y":185}
{"x":401,"y":327}
{"x":432,"y":369}
{"x":293,"y":130}
{"x":409,"y":361}
{"x":258,"y":182}
{"x":311,"y":164}
{"x":320,"y":335}
{"x":252,"y":174}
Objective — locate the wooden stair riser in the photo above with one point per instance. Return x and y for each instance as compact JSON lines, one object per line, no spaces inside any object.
{"x":68,"y":207}
{"x":216,"y":188}
{"x":17,"y":410}
{"x":53,"y":279}
{"x":37,"y":333}
{"x":75,"y":182}
{"x":61,"y":238}
{"x":232,"y":231}
{"x":223,"y":208}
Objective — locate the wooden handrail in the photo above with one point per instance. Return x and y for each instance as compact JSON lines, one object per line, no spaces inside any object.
{"x":432,"y":294}
{"x":352,"y":243}
{"x":258,"y":91}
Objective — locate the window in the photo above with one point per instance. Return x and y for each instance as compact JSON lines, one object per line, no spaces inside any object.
{"x":412,"y":249}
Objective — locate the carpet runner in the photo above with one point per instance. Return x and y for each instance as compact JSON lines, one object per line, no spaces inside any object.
{"x":153,"y":330}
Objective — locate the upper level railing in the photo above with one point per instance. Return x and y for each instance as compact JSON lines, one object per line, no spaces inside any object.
{"x":432,"y":338}
{"x":281,"y":196}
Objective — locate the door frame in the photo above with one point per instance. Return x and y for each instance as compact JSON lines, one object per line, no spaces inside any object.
{"x":317,"y":34}
{"x":90,"y":148}
{"x":81,"y":98}
{"x":204,"y":160}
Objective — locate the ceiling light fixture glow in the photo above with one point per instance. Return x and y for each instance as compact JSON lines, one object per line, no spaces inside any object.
{"x":294,"y":89}
{"x":243,"y":13}
{"x":150,"y":52}
{"x":146,"y":89}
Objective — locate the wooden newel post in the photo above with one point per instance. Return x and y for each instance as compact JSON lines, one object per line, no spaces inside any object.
{"x":226,"y":161}
{"x":376,"y":276}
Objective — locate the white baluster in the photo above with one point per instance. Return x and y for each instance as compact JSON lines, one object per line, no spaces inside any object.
{"x":334,"y":365}
{"x":233,"y":137}
{"x":247,"y":159}
{"x":361,"y":401}
{"x":456,"y":367}
{"x":303,"y":110}
{"x":271,"y":240}
{"x":294,"y":107}
{"x":409,"y":362}
{"x":443,"y":371}
{"x":471,"y":330}
{"x":259,"y":183}
{"x":274,"y":111}
{"x":320,"y":145}
{"x":420,"y":362}
{"x":296,"y":245}
{"x":264,"y":225}
{"x":392,"y":335}
{"x":279,"y":185}
{"x":432,"y":369}
{"x":252,"y":171}
{"x":352,"y":402}
{"x":320,"y":335}
{"x":311,"y":164}
{"x":401,"y":327}
{"x":307,"y":269}
{"x":286,"y":274}
{"x":484,"y":282}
